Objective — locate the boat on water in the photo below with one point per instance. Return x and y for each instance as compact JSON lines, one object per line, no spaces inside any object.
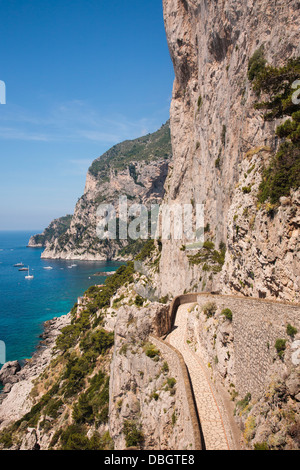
{"x":29,"y":276}
{"x":23,"y":269}
{"x":48,"y":268}
{"x":19,"y":265}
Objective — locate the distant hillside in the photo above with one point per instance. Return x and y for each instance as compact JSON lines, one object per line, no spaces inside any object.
{"x":135,"y":168}
{"x":57,"y":228}
{"x":145,"y":149}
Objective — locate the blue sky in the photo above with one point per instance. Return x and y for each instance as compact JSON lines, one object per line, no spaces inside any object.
{"x":81,"y":76}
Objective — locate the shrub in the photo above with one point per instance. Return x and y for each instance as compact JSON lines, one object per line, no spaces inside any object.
{"x":68,"y":337}
{"x":74,"y":438}
{"x":97,"y":342}
{"x":291,"y":330}
{"x":171,"y":382}
{"x":256,"y":64}
{"x":244,"y":402}
{"x":164,"y":300}
{"x":139,"y":301}
{"x":282,"y":175}
{"x":6,"y":439}
{"x":261,"y":446}
{"x":151,"y":351}
{"x":52,"y":408}
{"x":280,"y":347}
{"x":283,"y":172}
{"x":92,"y":405}
{"x":209,"y":309}
{"x":218,"y":163}
{"x":134,"y":437}
{"x":227,"y":313}
{"x":208,"y":255}
{"x":146,"y":251}
{"x":76,"y":370}
{"x":246,"y":189}
{"x":155,"y":396}
{"x":223,"y":135}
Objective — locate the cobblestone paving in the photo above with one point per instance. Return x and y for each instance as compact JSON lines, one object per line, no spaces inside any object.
{"x":210,"y":417}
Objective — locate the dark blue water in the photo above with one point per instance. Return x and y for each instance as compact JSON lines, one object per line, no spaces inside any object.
{"x":26,"y":304}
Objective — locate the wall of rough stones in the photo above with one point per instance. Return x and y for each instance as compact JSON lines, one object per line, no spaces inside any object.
{"x":257,"y":325}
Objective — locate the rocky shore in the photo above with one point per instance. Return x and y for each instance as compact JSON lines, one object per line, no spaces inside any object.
{"x":15,"y":398}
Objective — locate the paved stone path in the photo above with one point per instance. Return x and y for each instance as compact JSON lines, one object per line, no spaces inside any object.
{"x":209,"y":412}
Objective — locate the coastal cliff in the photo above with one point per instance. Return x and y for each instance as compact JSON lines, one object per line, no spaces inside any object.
{"x":136,"y":169}
{"x":56,"y":228}
{"x":101,"y":382}
{"x":223,"y":144}
{"x":110,"y":382}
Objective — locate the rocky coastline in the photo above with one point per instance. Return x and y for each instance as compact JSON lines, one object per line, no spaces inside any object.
{"x":17,"y":379}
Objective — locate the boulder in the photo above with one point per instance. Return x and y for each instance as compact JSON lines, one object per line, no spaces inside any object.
{"x":8,"y":372}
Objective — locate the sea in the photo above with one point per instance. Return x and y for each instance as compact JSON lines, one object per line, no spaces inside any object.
{"x":26,"y":304}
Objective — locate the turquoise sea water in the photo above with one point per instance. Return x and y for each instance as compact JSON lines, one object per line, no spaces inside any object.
{"x":26,"y":304}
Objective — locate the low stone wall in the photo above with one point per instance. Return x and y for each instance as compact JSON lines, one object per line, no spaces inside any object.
{"x":176,"y":302}
{"x":185,"y":398}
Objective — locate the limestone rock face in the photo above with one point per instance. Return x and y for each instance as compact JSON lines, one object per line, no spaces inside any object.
{"x":214,"y":129}
{"x":143,"y":394}
{"x":56,"y":228}
{"x":8,"y":372}
{"x":136,"y":169}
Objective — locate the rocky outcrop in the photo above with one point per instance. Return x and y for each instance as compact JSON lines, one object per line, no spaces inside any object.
{"x":217,"y":137}
{"x":136,"y":169}
{"x":56,"y":228}
{"x":8,"y":374}
{"x":15,"y":399}
{"x":145,"y":389}
{"x":102,"y":382}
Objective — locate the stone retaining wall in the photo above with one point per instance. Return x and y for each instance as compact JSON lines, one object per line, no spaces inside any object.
{"x":257,"y":324}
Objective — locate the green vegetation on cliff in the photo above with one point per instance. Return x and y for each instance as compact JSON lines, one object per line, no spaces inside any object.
{"x":56,"y":229}
{"x":72,"y":395}
{"x":148,"y":148}
{"x":277,"y":86}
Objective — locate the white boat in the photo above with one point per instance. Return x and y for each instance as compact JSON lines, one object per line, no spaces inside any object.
{"x":48,"y":267}
{"x":29,"y":276}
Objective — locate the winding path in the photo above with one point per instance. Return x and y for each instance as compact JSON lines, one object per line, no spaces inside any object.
{"x":215,"y":435}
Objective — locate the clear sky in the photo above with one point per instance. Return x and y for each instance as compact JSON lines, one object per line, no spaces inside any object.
{"x":81,"y":76}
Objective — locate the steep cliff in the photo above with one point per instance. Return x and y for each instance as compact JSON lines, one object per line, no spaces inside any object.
{"x":222,"y":144}
{"x":56,"y":229}
{"x":136,"y":169}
